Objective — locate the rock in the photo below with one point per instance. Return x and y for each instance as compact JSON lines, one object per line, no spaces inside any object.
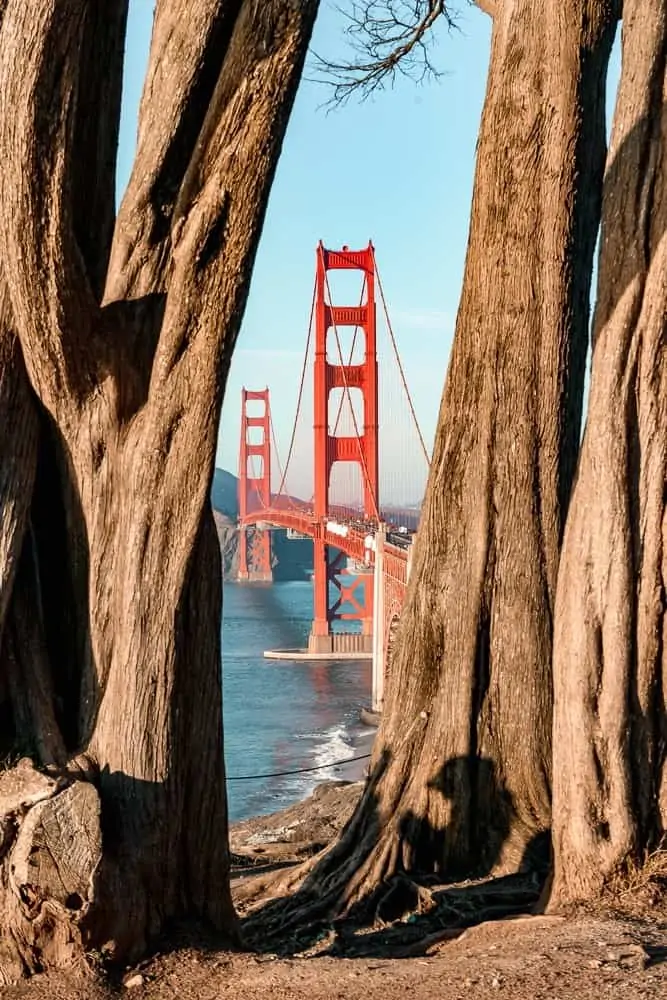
{"x":135,"y":979}
{"x":633,"y":956}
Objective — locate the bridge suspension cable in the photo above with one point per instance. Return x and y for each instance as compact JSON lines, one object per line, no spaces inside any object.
{"x":302,"y":382}
{"x":352,"y":347}
{"x":398,"y":362}
{"x":281,"y":473}
{"x":349,"y":397}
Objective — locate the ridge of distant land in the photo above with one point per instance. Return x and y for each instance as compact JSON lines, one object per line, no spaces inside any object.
{"x":293,"y":557}
{"x":224,"y":497}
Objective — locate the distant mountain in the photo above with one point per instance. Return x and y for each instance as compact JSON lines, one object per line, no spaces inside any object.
{"x":224,"y":497}
{"x":293,"y":557}
{"x":224,"y":493}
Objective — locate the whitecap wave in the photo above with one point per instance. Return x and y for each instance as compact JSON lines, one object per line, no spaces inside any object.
{"x":335,"y":748}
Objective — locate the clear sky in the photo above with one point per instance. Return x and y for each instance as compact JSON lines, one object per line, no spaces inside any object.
{"x":397,"y":169}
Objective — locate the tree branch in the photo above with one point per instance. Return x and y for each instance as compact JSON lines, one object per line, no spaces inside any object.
{"x":57,"y":138}
{"x":221,"y":204}
{"x":190,"y":39}
{"x":389,"y":36}
{"x":218,"y":216}
{"x":96,"y":136}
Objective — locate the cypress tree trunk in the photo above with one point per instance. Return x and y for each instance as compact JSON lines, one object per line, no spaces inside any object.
{"x":610,"y":672}
{"x":127,"y":327}
{"x":462,"y":779}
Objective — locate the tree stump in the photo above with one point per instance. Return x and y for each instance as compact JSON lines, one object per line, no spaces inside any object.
{"x":50,"y":848}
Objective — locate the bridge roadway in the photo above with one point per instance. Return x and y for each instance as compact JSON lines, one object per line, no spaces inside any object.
{"x":352,"y":543}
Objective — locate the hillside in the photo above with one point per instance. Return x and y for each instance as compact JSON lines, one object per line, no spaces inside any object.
{"x":224,"y":493}
{"x":293,"y":558}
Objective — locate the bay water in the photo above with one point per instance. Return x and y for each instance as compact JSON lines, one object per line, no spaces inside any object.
{"x":283,"y":715}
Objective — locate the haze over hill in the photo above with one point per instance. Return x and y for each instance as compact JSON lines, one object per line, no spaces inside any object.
{"x":293,"y":558}
{"x":224,"y":497}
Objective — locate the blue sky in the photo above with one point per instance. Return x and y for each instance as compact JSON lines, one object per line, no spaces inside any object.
{"x":397,"y":169}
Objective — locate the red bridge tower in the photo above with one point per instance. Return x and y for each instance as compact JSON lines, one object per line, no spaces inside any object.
{"x":254,"y":488}
{"x":362,"y":449}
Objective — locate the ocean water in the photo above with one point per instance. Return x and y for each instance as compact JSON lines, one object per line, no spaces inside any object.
{"x":281,"y":715}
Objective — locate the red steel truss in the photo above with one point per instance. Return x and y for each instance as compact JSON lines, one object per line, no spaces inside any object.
{"x":362,"y":448}
{"x":338,"y":595}
{"x":254,"y":489}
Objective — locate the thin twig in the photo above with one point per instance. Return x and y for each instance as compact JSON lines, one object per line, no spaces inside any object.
{"x":388,"y":37}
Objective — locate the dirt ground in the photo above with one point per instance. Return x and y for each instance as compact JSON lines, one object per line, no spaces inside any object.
{"x":588,"y":956}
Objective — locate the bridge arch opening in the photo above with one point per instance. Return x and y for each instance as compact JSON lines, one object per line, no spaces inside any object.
{"x":255,"y":407}
{"x":346,"y":412}
{"x":347,"y":343}
{"x":346,"y":489}
{"x":255,"y":467}
{"x":345,"y":287}
{"x":254,"y":435}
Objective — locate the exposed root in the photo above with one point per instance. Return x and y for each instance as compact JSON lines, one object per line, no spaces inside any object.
{"x":371,"y":907}
{"x":255,"y":890}
{"x":50,"y":847}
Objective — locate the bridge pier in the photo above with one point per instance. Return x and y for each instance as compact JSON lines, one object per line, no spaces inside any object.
{"x":354,"y":592}
{"x":347,"y":643}
{"x":255,"y":558}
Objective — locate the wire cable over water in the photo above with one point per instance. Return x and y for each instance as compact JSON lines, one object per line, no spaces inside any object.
{"x":301,"y":770}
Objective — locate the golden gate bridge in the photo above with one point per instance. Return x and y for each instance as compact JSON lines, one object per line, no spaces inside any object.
{"x":360,"y":529}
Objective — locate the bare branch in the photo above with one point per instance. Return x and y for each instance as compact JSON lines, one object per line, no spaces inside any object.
{"x":388,"y":37}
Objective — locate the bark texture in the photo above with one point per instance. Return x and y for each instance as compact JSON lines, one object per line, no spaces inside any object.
{"x":127,"y":327}
{"x":610,"y":672}
{"x":461,"y":779}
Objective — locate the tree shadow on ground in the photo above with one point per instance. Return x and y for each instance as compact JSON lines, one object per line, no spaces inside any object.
{"x":431,"y":889}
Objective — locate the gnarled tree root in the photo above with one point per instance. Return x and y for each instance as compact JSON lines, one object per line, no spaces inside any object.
{"x":320,"y":906}
{"x":50,"y":847}
{"x":403,"y":916}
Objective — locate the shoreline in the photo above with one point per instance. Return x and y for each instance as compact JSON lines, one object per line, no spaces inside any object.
{"x":359,"y":738}
{"x":357,"y":770}
{"x":296,"y":831}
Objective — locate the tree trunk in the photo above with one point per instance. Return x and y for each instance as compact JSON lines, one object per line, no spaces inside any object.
{"x":18,"y":453}
{"x":462,"y":767}
{"x":610,"y":671}
{"x":127,"y":329}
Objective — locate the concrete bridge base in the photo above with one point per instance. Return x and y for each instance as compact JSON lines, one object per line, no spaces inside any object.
{"x":306,"y":654}
{"x":255,"y":577}
{"x":340,"y":642}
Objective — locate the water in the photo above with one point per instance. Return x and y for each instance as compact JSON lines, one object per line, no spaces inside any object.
{"x":282,"y":716}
